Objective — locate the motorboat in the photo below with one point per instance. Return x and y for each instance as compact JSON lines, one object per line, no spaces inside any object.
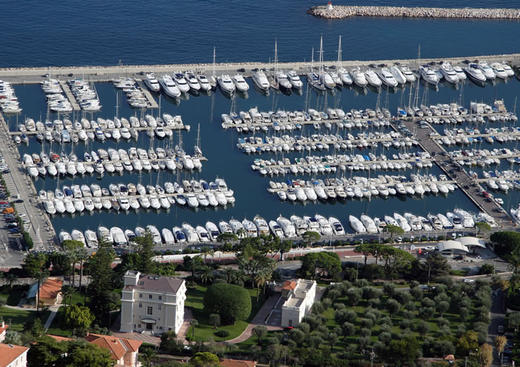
{"x":449,"y":74}
{"x":359,"y":77}
{"x":224,"y":227}
{"x":192,"y":81}
{"x":156,"y":236}
{"x":337,"y":227}
{"x":237,"y":228}
{"x":429,"y":75}
{"x":180,"y":237}
{"x":368,"y":223}
{"x":261,"y":81}
{"x":315,"y":81}
{"x":152,"y":83}
{"x":460,"y":72}
{"x":261,"y":225}
{"x":64,"y":236}
{"x":276,"y":229}
{"x":169,"y":86}
{"x":168,"y":237}
{"x":181,"y":82}
{"x":91,"y":239}
{"x":118,"y":236}
{"x":345,"y":76}
{"x":212,"y":230}
{"x":103,"y":234}
{"x":240,"y":83}
{"x":295,"y":80}
{"x":475,"y":73}
{"x":325,"y":226}
{"x":326,"y":80}
{"x":487,"y":70}
{"x":387,"y":78}
{"x":78,"y":236}
{"x":455,"y":220}
{"x":467,"y":218}
{"x":408,"y":74}
{"x":373,"y":79}
{"x":356,"y":224}
{"x":202,"y":234}
{"x":205,"y":85}
{"x":402,"y":222}
{"x":499,"y":70}
{"x":250,"y":228}
{"x":283,"y":80}
{"x":226,"y":84}
{"x":398,"y":74}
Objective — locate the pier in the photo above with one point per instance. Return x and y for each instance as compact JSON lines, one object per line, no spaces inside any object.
{"x":70,"y":97}
{"x":18,"y":183}
{"x":457,"y":174}
{"x":138,"y":129}
{"x":152,"y":103}
{"x":33,"y":75}
{"x":340,"y":12}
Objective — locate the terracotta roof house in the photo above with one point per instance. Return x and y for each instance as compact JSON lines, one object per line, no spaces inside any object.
{"x":3,"y":331}
{"x":123,"y":351}
{"x":237,"y":363}
{"x":13,"y":355}
{"x":50,"y":291}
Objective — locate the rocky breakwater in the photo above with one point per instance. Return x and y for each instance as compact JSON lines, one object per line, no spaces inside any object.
{"x":339,"y":12}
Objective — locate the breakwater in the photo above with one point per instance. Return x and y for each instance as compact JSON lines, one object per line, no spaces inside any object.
{"x":340,"y":12}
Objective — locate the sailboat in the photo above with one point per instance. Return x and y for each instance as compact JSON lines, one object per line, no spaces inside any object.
{"x":343,"y":74}
{"x":313,"y":78}
{"x":325,"y":77}
{"x":213,"y":78}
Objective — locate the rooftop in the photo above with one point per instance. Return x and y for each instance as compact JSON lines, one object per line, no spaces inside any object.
{"x":237,"y":363}
{"x":157,"y":283}
{"x":9,"y":352}
{"x":117,"y":347}
{"x":49,"y":290}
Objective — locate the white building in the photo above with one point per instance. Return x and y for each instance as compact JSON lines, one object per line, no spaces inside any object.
{"x":13,"y":355}
{"x":152,"y":303}
{"x":299,"y":297}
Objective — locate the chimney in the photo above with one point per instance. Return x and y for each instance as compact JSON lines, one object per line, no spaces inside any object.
{"x":131,"y":278}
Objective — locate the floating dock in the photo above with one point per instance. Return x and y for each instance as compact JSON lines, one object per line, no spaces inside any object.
{"x":70,"y":96}
{"x":152,"y":103}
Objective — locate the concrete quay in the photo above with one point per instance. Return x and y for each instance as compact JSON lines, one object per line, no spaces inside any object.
{"x":33,"y":75}
{"x":70,"y":97}
{"x":341,"y":12}
{"x":18,"y":183}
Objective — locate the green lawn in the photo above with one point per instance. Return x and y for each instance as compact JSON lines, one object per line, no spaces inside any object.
{"x":58,"y":326}
{"x":206,"y":332}
{"x":17,"y":318}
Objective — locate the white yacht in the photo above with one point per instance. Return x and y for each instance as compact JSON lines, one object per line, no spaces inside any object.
{"x":475,"y":73}
{"x":152,"y":83}
{"x":190,"y":232}
{"x":487,"y":70}
{"x":181,"y":82}
{"x":467,"y":218}
{"x":325,"y":226}
{"x":449,"y":74}
{"x":295,"y":80}
{"x":315,"y":81}
{"x":356,"y":224}
{"x":250,"y":228}
{"x":276,"y":229}
{"x":408,"y":74}
{"x":429,"y":75}
{"x":402,"y":222}
{"x":180,"y":237}
{"x":204,"y":82}
{"x":78,"y":236}
{"x":212,"y":230}
{"x":369,"y":223}
{"x":91,"y":239}
{"x":156,"y":236}
{"x":508,"y":70}
{"x":326,"y":80}
{"x":287,"y":227}
{"x":103,"y":234}
{"x":261,"y":225}
{"x":499,"y":70}
{"x":460,"y":72}
{"x":192,"y":81}
{"x":373,"y":79}
{"x":345,"y":76}
{"x":359,"y":77}
{"x":226,"y":84}
{"x":283,"y":80}
{"x":168,"y":237}
{"x":202,"y":233}
{"x":240,"y":83}
{"x":118,"y":236}
{"x":387,"y":78}
{"x":398,"y":74}
{"x":169,"y":87}
{"x":260,"y":80}
{"x":337,"y":227}
{"x":64,"y":236}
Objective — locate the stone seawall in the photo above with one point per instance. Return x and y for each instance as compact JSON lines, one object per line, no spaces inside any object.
{"x":340,"y":12}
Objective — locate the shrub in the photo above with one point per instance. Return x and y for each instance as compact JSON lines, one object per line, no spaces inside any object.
{"x":221,"y":333}
{"x":231,"y":302}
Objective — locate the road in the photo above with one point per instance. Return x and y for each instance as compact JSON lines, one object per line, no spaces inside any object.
{"x":19,"y":183}
{"x":497,"y":317}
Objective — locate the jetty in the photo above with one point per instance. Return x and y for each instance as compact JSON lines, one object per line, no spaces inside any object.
{"x":468,"y":184}
{"x":341,"y":11}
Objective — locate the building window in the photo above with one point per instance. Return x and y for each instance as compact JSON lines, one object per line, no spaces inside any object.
{"x":149,"y":311}
{"x":160,"y":298}
{"x":140,"y":305}
{"x":150,"y":296}
{"x":159,"y":307}
{"x":140,"y":295}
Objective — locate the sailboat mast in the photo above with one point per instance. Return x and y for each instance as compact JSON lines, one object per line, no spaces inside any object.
{"x":214,"y":59}
{"x":321,"y":53}
{"x":275,"y":55}
{"x":339,"y":51}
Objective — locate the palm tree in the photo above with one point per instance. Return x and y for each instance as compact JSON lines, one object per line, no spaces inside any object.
{"x":206,"y":275}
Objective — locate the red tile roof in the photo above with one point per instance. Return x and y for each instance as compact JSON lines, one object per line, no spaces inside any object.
{"x":289,"y":285}
{"x":60,"y":338}
{"x":50,"y":289}
{"x":8,"y":353}
{"x":117,"y":347}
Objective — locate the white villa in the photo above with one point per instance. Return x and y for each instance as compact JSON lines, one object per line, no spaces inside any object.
{"x":299,"y":297}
